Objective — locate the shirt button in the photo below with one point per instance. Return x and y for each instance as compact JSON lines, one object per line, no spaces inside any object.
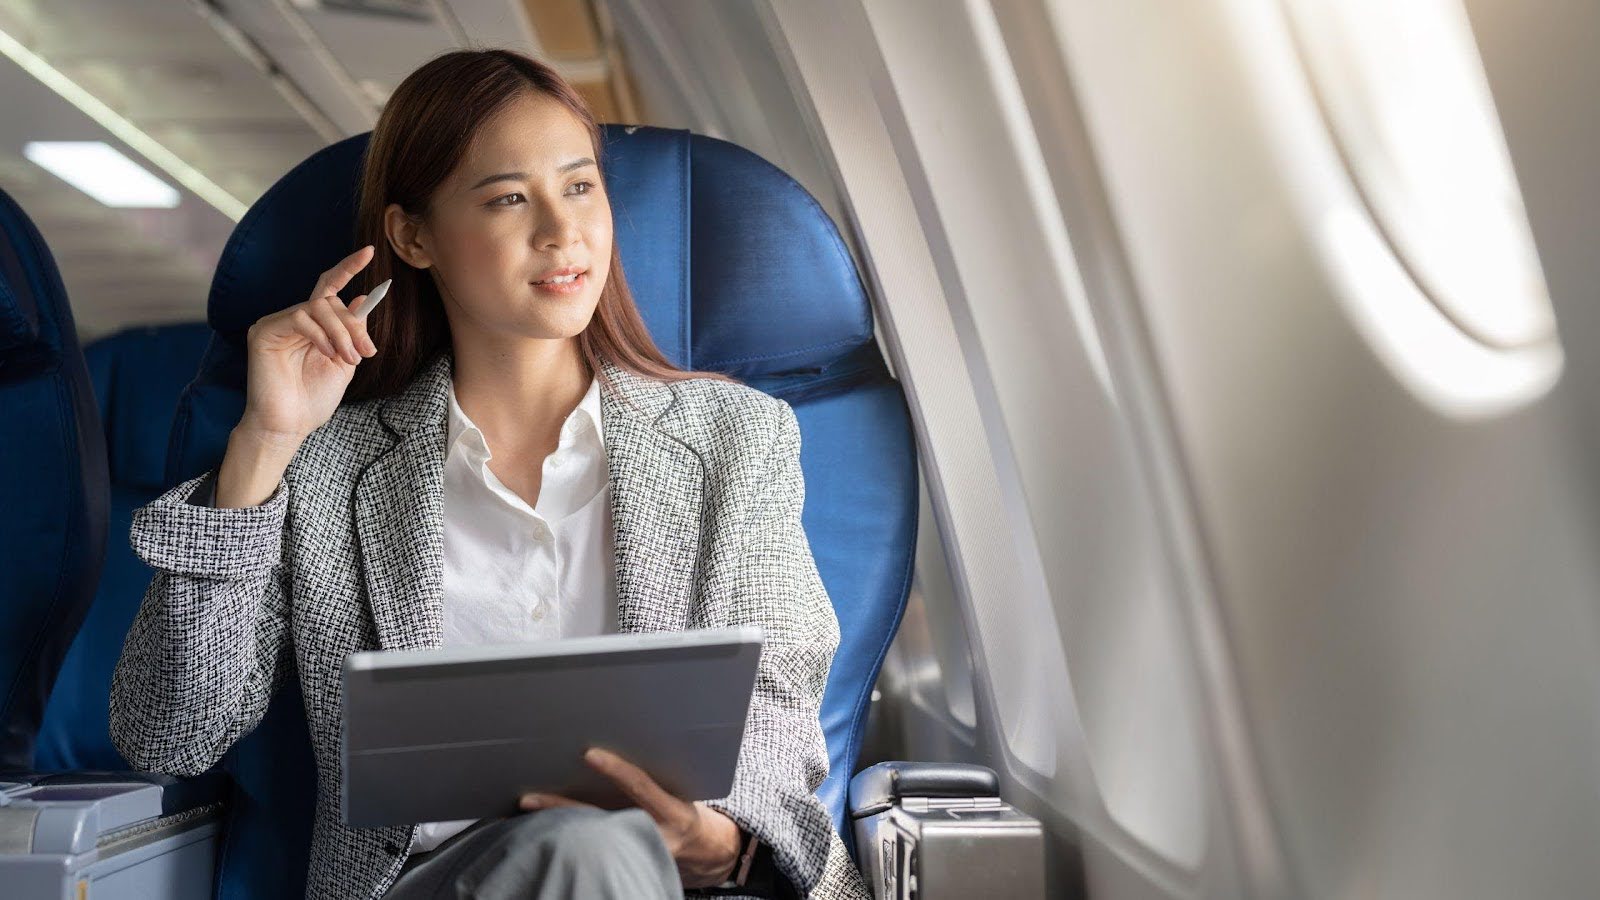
{"x":537,"y":613}
{"x":541,"y":531}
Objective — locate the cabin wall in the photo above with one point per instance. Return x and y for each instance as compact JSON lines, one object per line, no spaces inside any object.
{"x":1242,"y":594}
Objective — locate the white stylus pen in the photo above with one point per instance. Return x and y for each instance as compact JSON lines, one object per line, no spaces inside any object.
{"x":373,"y":298}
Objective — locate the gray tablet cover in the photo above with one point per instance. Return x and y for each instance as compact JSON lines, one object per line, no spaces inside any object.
{"x":462,"y":732}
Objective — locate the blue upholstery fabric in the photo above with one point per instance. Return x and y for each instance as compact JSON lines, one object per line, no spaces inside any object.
{"x":775,"y":289}
{"x":735,"y":268}
{"x":137,"y":375}
{"x":53,"y":482}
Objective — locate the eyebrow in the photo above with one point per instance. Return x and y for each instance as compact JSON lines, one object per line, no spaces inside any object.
{"x":523,"y":176}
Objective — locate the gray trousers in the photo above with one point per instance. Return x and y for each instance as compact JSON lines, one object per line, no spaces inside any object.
{"x":553,"y":853}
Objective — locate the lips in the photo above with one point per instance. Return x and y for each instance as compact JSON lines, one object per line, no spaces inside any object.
{"x":563,"y":285}
{"x":564,"y":274}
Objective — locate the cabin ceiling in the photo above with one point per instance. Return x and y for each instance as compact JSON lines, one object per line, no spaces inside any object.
{"x":241,"y":90}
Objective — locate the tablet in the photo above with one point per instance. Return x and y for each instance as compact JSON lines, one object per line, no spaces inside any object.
{"x":463,"y":732}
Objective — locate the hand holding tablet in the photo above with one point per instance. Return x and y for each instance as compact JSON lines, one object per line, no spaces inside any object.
{"x":705,"y":843}
{"x":465,"y":732}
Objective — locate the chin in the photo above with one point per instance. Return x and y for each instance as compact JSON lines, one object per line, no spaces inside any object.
{"x":550,"y":328}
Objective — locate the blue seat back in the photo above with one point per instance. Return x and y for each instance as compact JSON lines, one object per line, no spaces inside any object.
{"x":137,"y":376}
{"x":735,"y":269}
{"x":53,"y":482}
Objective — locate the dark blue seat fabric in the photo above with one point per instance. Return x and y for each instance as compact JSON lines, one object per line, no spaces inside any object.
{"x":735,"y":269}
{"x":138,"y":375}
{"x":53,"y":482}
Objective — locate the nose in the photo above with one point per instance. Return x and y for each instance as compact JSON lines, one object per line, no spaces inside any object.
{"x":557,"y":228}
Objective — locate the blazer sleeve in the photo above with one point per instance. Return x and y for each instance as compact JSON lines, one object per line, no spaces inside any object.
{"x":211,"y":641}
{"x":783,"y":757}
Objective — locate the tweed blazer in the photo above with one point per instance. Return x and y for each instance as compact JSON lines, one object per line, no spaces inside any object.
{"x":347,"y":555}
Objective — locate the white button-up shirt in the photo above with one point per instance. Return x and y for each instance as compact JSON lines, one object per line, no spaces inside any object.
{"x":514,"y":573}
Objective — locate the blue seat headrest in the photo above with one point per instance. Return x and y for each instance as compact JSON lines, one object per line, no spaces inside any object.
{"x":764,"y":304}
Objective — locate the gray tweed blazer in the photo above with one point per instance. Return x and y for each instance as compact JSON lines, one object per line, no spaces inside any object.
{"x":346,"y":555}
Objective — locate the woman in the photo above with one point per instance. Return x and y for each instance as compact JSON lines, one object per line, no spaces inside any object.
{"x":498,"y":453}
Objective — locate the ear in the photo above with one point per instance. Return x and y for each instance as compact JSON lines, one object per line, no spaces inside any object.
{"x":407,"y":236}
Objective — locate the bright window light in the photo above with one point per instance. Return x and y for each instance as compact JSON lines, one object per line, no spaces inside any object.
{"x":1404,"y":92}
{"x":1449,"y":369}
{"x":97,"y":169}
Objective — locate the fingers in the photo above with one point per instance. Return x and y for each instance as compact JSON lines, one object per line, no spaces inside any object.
{"x":633,"y":782}
{"x":323,"y":320}
{"x":639,"y":786}
{"x":532,"y":802}
{"x":356,"y":324}
{"x":302,"y":323}
{"x":333,"y":281}
{"x":331,"y":315}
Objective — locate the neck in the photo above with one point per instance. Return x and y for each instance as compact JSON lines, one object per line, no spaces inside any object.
{"x":520,"y":390}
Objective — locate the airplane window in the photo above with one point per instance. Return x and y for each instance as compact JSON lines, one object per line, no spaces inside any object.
{"x":936,"y":590}
{"x":1405,"y":95}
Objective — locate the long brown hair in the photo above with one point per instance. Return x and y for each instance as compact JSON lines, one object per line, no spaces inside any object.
{"x":423,"y":133}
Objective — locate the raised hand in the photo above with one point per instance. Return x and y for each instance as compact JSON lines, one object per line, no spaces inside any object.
{"x":302,"y":358}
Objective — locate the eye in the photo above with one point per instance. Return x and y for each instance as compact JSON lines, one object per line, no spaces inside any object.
{"x":496,"y":201}
{"x":587,"y":185}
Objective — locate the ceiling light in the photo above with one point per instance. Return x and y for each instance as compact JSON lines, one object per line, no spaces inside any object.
{"x":121,"y":128}
{"x":97,"y":169}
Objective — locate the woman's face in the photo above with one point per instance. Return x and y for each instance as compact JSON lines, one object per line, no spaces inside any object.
{"x":525,"y":202}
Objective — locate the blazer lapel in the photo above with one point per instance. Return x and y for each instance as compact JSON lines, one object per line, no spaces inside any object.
{"x":656,"y":481}
{"x":399,"y":513}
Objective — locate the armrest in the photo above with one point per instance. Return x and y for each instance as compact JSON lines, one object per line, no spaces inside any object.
{"x":937,"y":830}
{"x":177,"y":795}
{"x":875,"y":789}
{"x":135,"y":833}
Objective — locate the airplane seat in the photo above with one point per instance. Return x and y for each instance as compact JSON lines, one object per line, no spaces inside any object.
{"x":124,"y":831}
{"x":748,"y":277}
{"x":736,"y":269}
{"x":137,"y":375}
{"x":53,"y":482}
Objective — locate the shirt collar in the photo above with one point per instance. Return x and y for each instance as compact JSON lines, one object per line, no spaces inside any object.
{"x":588,"y":412}
{"x":585,"y":416}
